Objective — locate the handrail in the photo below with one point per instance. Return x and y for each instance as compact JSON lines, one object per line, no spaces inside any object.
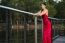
{"x":1,"y":6}
{"x":27,"y":13}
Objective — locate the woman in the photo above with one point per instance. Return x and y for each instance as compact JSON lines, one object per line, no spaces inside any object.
{"x":47,"y":38}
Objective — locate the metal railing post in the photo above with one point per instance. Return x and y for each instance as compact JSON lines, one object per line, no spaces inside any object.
{"x":24,"y":30}
{"x":35,"y":29}
{"x":42,"y":28}
{"x":54,"y":28}
{"x":57,"y":29}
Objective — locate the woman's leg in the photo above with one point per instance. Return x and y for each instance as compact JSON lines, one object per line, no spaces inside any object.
{"x":49,"y":38}
{"x":44,"y":39}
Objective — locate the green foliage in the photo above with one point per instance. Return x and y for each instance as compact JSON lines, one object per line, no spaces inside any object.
{"x":60,"y":10}
{"x":52,"y":10}
{"x":29,"y":6}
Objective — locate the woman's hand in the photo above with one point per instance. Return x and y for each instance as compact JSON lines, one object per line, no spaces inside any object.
{"x":38,"y":13}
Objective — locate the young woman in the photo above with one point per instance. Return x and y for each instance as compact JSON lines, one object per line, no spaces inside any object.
{"x":46,"y":36}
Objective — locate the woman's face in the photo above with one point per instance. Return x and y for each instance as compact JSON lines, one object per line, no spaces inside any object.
{"x":43,"y":6}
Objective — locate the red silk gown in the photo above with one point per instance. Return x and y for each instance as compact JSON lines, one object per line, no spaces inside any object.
{"x":46,"y":36}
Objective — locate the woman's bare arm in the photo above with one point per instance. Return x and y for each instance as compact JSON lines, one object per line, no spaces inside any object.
{"x":39,"y":13}
{"x":43,"y":12}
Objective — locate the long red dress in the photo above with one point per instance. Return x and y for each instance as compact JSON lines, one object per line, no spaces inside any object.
{"x":47,"y":38}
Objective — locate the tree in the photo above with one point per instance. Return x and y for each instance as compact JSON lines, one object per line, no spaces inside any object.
{"x":52,"y":10}
{"x":60,"y":10}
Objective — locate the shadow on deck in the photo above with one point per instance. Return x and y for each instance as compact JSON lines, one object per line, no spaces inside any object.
{"x":60,"y":39}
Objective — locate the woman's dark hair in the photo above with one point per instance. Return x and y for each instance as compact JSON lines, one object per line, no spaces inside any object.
{"x":44,"y":4}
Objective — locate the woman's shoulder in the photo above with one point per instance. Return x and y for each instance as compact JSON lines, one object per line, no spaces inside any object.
{"x":46,"y":12}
